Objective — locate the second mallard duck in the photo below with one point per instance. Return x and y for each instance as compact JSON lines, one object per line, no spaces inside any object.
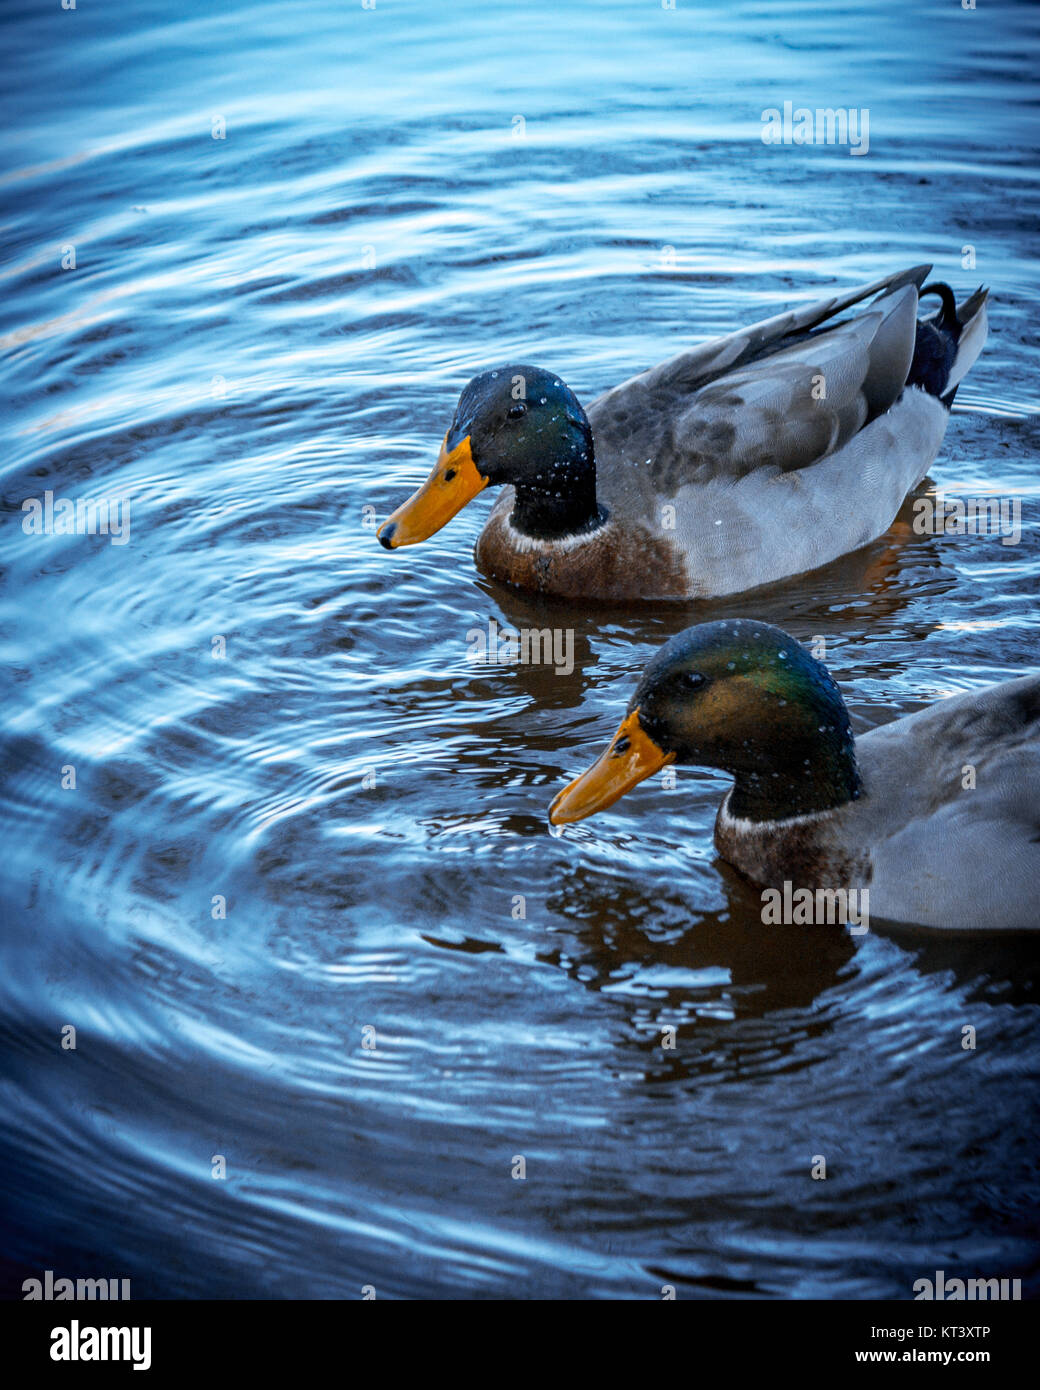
{"x":748,"y":459}
{"x":936,"y":814}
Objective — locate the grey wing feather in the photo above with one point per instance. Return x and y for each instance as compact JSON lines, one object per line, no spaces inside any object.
{"x":750,"y":399}
{"x":796,"y":406}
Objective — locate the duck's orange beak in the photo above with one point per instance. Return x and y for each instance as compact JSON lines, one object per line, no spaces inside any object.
{"x":631,"y":757}
{"x":453,"y":482}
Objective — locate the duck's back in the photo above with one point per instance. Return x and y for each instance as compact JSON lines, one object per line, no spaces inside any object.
{"x":777,"y":449}
{"x":951,"y":811}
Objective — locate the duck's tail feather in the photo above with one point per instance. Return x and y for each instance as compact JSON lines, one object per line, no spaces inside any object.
{"x":947,"y":343}
{"x":946,"y":319}
{"x":974,"y":327}
{"x":972,"y":304}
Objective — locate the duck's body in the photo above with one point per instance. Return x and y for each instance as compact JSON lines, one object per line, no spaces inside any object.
{"x":936,"y":815}
{"x":946,"y":830}
{"x":751,"y":458}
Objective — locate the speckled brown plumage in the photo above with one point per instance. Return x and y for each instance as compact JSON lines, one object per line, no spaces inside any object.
{"x":600,"y":567}
{"x":808,"y":852}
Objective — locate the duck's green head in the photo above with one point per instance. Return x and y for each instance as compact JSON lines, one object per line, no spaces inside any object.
{"x":741,"y":696}
{"x":519,"y":425}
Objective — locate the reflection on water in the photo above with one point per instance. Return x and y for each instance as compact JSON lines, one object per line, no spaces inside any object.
{"x":302,"y":904}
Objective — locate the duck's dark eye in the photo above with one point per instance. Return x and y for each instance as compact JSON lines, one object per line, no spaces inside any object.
{"x":693,"y":680}
{"x":515,"y":411}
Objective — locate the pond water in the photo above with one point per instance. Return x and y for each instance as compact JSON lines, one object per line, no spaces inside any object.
{"x":302,"y":905}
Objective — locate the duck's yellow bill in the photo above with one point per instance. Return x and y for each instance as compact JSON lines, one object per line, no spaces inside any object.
{"x":453,"y":482}
{"x":631,"y":757}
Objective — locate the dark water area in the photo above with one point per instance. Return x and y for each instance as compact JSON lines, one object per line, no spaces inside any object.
{"x":304,"y":822}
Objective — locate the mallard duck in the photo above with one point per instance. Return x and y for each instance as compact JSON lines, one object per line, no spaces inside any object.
{"x":750,"y":458}
{"x":937,"y":814}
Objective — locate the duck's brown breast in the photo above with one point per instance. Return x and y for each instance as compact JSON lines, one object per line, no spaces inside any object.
{"x":614,"y":562}
{"x":814,"y":851}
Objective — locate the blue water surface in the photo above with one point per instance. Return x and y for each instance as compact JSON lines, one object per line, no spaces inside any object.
{"x":301,"y":905}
